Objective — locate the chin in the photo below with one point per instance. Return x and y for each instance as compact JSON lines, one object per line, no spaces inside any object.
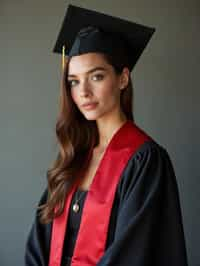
{"x":91,"y":115}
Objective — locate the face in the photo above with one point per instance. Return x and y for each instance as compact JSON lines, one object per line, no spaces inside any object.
{"x":92,"y":80}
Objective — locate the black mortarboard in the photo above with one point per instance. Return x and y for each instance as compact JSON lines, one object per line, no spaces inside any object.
{"x":86,"y":31}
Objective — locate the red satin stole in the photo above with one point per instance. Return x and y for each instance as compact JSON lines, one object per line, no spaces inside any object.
{"x":92,"y":235}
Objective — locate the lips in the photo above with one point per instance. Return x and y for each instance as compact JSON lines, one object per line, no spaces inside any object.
{"x":90,"y":105}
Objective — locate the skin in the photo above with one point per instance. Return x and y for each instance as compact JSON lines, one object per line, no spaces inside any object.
{"x":88,"y":84}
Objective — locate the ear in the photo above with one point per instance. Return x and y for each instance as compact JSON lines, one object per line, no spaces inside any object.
{"x":124,"y":78}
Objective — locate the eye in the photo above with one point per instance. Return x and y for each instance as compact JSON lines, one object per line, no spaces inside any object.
{"x":98,"y":77}
{"x":72,"y":82}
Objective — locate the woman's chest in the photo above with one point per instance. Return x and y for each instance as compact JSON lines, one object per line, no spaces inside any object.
{"x":91,"y":170}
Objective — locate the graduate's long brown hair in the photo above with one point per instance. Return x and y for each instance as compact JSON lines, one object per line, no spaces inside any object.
{"x":75,"y":135}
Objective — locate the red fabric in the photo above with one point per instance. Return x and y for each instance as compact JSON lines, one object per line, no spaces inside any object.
{"x":91,"y":239}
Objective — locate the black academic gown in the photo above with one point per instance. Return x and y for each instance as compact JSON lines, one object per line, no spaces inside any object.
{"x":145,"y":226}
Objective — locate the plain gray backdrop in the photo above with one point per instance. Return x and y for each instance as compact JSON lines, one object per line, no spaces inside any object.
{"x":166,"y":104}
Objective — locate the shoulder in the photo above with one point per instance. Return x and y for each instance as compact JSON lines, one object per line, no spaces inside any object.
{"x":148,"y":151}
{"x":149,"y":164}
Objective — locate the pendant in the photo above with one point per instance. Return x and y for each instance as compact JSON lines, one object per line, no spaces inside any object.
{"x":75,"y":207}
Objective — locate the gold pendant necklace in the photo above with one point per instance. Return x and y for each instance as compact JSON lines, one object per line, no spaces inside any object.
{"x":76,"y":206}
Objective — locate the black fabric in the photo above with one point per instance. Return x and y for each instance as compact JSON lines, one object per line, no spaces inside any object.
{"x":146,"y":222}
{"x":92,"y":39}
{"x":85,"y":30}
{"x":73,"y":226}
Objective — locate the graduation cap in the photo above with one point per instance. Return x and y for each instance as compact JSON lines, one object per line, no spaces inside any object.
{"x":85,"y":31}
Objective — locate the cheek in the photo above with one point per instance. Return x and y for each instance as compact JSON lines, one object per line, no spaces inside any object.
{"x":108,"y":91}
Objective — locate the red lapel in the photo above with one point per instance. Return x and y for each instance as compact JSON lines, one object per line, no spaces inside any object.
{"x":91,"y":239}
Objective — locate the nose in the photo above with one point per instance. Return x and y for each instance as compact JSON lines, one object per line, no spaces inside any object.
{"x":85,"y":89}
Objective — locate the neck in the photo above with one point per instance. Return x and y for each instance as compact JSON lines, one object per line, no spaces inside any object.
{"x":107,"y":130}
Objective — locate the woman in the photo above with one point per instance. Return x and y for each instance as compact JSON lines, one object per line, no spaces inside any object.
{"x":112,"y":197}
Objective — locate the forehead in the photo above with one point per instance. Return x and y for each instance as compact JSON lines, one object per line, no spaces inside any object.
{"x":82,"y":63}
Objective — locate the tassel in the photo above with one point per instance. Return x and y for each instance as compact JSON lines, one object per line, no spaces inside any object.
{"x":63,"y":57}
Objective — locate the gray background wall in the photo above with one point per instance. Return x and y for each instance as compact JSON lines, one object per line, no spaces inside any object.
{"x":166,"y":81}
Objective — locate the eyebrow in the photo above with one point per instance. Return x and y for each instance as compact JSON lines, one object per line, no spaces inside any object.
{"x":90,"y":71}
